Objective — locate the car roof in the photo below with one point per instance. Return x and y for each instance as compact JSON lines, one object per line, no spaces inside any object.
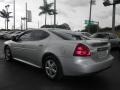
{"x":57,"y":30}
{"x":53,"y":29}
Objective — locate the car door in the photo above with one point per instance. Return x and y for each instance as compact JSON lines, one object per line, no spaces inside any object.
{"x":29,"y":46}
{"x":23,"y":48}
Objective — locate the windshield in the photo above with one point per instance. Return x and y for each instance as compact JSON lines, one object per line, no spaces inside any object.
{"x":86,"y":34}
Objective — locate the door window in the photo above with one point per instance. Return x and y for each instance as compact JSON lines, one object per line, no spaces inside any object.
{"x":39,"y":35}
{"x":26,"y":37}
{"x":34,"y":35}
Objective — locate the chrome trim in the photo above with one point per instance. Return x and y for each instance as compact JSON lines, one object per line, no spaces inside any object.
{"x":27,"y":63}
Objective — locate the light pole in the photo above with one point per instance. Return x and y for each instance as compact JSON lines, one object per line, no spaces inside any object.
{"x":113,"y":18}
{"x":24,"y":21}
{"x":92,"y":2}
{"x":26,"y":17}
{"x":21,"y":24}
{"x":90,"y":15}
{"x":54,"y":13}
{"x":7,"y":6}
{"x":14,"y":14}
{"x":108,"y":3}
{"x":90,"y":11}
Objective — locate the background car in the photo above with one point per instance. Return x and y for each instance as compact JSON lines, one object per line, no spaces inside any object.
{"x":113,"y":38}
{"x":16,"y":33}
{"x":84,"y":33}
{"x":59,"y":52}
{"x":7,"y":35}
{"x":2,"y":34}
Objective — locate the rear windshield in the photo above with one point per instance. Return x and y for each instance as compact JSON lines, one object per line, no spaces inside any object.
{"x":69,"y":36}
{"x":86,"y":34}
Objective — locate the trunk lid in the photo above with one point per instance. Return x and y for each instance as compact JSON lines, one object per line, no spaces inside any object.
{"x":99,"y":48}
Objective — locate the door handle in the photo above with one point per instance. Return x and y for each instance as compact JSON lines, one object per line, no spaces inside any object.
{"x":40,"y":45}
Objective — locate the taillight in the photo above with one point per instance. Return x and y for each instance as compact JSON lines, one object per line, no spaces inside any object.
{"x":82,"y":50}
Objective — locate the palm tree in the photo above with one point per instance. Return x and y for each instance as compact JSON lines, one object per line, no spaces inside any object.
{"x":6,"y":15}
{"x":46,"y":9}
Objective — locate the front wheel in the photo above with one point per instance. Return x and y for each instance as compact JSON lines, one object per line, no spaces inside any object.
{"x":52,"y":68}
{"x":8,"y":54}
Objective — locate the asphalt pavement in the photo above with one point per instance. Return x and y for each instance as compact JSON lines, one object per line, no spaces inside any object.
{"x":18,"y":76}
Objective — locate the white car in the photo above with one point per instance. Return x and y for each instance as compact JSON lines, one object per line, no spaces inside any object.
{"x":59,"y":52}
{"x":112,"y":37}
{"x":2,"y":34}
{"x":7,"y":35}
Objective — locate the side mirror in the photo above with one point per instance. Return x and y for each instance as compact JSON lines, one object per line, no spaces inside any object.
{"x":14,"y":38}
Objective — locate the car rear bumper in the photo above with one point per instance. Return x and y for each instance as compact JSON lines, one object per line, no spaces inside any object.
{"x":86,"y":66}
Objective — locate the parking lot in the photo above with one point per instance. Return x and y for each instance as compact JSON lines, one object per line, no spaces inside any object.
{"x":19,"y":76}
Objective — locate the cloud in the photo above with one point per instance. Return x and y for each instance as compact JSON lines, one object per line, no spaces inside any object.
{"x":104,"y":14}
{"x":65,"y":12}
{"x":62,"y":13}
{"x":7,"y":1}
{"x":2,"y":0}
{"x":76,"y":3}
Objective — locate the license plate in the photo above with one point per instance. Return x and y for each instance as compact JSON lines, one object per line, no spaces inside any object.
{"x":102,"y":54}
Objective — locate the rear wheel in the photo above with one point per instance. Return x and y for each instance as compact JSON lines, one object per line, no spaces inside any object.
{"x":52,"y":68}
{"x":8,"y":54}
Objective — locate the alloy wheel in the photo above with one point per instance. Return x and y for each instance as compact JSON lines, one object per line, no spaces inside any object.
{"x":51,"y":68}
{"x":7,"y":54}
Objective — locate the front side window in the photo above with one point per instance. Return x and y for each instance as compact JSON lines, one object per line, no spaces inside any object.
{"x":26,"y":37}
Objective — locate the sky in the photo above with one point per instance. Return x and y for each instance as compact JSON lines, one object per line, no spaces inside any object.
{"x":73,"y":12}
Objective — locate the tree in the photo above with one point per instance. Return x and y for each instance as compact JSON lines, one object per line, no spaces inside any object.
{"x":6,"y":15}
{"x":46,"y":9}
{"x":62,"y":26}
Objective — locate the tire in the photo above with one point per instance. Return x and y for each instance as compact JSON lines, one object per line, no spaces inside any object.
{"x":52,"y":68}
{"x":8,"y":54}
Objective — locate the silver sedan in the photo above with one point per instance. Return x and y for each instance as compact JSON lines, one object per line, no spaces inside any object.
{"x":59,"y":52}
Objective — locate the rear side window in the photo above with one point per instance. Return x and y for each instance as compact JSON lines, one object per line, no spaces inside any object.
{"x":39,"y":35}
{"x":67,"y":36}
{"x":34,"y":35}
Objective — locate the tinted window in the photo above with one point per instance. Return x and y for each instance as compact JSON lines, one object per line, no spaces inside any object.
{"x":34,"y":35}
{"x":112,"y":36}
{"x":86,"y":34}
{"x":39,"y":35}
{"x":26,"y":37}
{"x":85,"y":37}
{"x":100,"y":36}
{"x":67,"y":36}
